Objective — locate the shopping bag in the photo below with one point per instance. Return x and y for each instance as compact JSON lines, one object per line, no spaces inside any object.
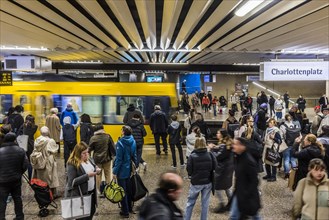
{"x":76,"y":207}
{"x":22,"y":141}
{"x":138,"y":188}
{"x":272,"y":155}
{"x":291,"y":180}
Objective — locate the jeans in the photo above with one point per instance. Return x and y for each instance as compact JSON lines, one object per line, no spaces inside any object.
{"x":157,"y":142}
{"x":215,"y":110}
{"x":288,"y":159}
{"x":193,"y":196}
{"x":278,"y":115}
{"x":173,"y":154}
{"x":219,"y":194}
{"x":126,"y":203}
{"x":15,"y":189}
{"x":139,"y":153}
{"x":270,"y":171}
{"x":235,"y":213}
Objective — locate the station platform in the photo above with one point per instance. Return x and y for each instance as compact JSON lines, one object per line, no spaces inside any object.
{"x":276,"y":198}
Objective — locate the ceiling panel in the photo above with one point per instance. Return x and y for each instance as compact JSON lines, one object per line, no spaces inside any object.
{"x":110,"y":31}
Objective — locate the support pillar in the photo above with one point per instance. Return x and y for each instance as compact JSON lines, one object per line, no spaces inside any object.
{"x":327,"y":88}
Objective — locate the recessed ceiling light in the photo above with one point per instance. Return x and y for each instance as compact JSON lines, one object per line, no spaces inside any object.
{"x":247,"y":7}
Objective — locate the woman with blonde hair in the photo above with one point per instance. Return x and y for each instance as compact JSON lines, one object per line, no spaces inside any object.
{"x":81,"y":172}
{"x":200,"y":166}
{"x":224,"y":169}
{"x":310,"y":201}
{"x":311,"y":149}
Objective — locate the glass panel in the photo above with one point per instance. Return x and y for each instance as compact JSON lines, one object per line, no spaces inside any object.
{"x":92,"y":105}
{"x":6,"y":101}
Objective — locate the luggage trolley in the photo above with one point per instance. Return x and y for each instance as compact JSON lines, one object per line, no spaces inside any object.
{"x":42,"y":195}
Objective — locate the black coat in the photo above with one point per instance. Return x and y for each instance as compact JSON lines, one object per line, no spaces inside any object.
{"x":255,"y":148}
{"x":13,"y":160}
{"x":86,"y":132}
{"x":261,"y":122}
{"x":139,"y":131}
{"x":323,"y":100}
{"x":29,"y":131}
{"x":158,"y":122}
{"x":263,"y":99}
{"x":174,"y":134}
{"x":16,"y":121}
{"x":246,"y":186}
{"x":225,"y":167}
{"x":158,"y":206}
{"x":200,"y":166}
{"x":301,"y":102}
{"x":304,"y":157}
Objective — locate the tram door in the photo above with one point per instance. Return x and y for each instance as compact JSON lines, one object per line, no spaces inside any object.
{"x":36,"y":104}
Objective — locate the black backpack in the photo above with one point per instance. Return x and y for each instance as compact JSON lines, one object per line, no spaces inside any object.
{"x":291,"y":134}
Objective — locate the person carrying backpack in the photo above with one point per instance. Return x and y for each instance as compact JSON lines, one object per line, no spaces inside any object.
{"x":69,"y":138}
{"x":230,"y":120}
{"x":16,"y":119}
{"x":290,"y":131}
{"x":260,"y":119}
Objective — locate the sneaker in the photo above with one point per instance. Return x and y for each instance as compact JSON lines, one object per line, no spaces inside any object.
{"x":9,"y":199}
{"x":174,"y":167}
{"x":182,"y":165}
{"x":145,"y":166}
{"x":123,"y":215}
{"x":271,"y":179}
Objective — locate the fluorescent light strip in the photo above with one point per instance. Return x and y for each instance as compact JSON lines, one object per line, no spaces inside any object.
{"x":247,"y":7}
{"x":23,"y":48}
{"x":259,"y":85}
{"x":89,"y":62}
{"x":306,"y":51}
{"x":273,"y":92}
{"x":165,"y":50}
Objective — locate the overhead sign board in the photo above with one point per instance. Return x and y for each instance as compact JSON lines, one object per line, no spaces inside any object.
{"x":253,"y":78}
{"x":6,"y":78}
{"x":295,"y":71}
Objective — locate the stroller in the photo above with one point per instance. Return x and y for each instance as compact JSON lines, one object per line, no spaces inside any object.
{"x":42,"y":195}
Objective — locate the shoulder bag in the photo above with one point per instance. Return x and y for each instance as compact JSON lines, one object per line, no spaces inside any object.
{"x":272,"y":155}
{"x":76,"y":207}
{"x":22,"y":141}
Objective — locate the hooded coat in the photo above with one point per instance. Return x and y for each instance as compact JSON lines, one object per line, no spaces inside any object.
{"x":125,"y":153}
{"x":69,"y":112}
{"x":49,"y":148}
{"x":174,"y":130}
{"x":100,"y":143}
{"x":52,"y":122}
{"x":139,"y":131}
{"x":131,"y":111}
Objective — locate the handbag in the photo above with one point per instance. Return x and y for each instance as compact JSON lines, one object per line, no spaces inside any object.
{"x":138,"y":189}
{"x":22,"y":141}
{"x":272,"y":155}
{"x":113,"y":192}
{"x":76,"y":207}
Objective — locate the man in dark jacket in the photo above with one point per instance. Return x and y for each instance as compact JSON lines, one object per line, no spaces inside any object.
{"x":16,"y":119}
{"x":286,"y":99}
{"x":200,"y":123}
{"x":263,"y":97}
{"x":271,"y":103}
{"x":69,"y":112}
{"x":139,"y":133}
{"x":160,"y":205}
{"x":131,"y":111}
{"x":159,"y":125}
{"x":246,"y":201}
{"x":323,"y":101}
{"x":13,"y":163}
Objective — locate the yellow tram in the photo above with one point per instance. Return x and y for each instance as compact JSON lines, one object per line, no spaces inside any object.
{"x":105,"y":102}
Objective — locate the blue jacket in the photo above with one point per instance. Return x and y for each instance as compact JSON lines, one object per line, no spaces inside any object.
{"x":125,"y":152}
{"x":71,"y":114}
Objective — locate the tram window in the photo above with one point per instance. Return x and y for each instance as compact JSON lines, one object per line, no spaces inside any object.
{"x":6,"y":101}
{"x":92,"y":105}
{"x":75,"y":101}
{"x":115,"y":107}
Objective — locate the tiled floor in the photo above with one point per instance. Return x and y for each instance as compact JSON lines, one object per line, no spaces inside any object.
{"x":276,"y":197}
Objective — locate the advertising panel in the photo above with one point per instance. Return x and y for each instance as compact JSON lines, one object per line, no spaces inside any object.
{"x":296,"y":71}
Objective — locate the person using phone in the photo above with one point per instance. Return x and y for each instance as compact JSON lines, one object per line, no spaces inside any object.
{"x":82,"y":171}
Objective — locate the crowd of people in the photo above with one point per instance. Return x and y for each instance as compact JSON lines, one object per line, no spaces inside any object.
{"x":261,"y":140}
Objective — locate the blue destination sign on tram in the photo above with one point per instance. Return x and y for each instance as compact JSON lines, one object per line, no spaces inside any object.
{"x":6,"y":78}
